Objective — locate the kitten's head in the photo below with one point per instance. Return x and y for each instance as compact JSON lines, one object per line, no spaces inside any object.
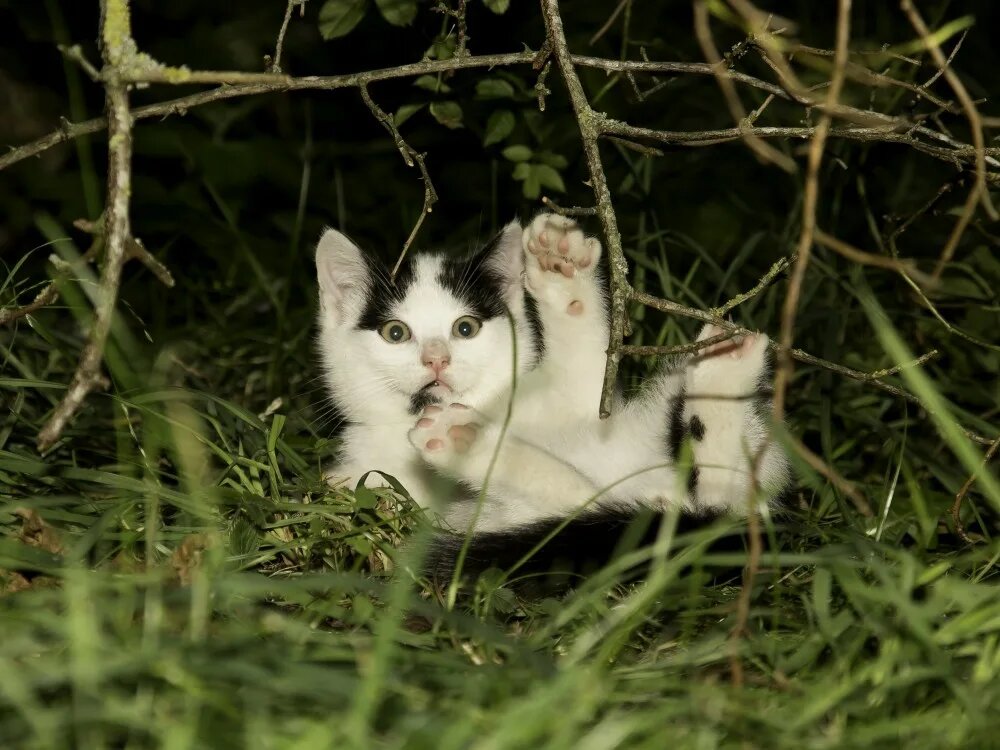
{"x":441,"y":331}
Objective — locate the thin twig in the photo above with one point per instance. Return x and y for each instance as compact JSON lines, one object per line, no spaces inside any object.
{"x":766,"y":152}
{"x":49,"y":294}
{"x":609,"y":23}
{"x":822,"y":467}
{"x":275,"y":66}
{"x":779,"y":265}
{"x":75,"y":53}
{"x":541,"y":90}
{"x":883,"y":134}
{"x":904,"y":266}
{"x":665,"y":351}
{"x":116,"y":39}
{"x":803,"y":251}
{"x":410,"y":156}
{"x":956,"y":508}
{"x":568,"y":211}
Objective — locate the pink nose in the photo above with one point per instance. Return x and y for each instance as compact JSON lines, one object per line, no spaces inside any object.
{"x":436,"y":359}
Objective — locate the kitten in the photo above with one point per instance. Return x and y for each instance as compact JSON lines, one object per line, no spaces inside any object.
{"x":423,"y":371}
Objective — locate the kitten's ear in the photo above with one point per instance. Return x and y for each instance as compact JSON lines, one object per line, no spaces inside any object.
{"x":506,"y":255}
{"x":341,"y":270}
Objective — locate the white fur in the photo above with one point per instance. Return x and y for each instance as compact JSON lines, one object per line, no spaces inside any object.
{"x":555,"y":455}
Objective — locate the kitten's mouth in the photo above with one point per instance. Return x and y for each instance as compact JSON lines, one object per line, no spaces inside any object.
{"x":437,"y":388}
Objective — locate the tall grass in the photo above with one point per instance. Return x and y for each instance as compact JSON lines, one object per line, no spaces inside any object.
{"x":177,"y":574}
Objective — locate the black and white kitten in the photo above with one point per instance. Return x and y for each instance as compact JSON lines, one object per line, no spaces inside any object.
{"x":423,"y":371}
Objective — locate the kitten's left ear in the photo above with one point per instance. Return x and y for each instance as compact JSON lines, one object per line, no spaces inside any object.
{"x":505,"y":256}
{"x":342,"y":272}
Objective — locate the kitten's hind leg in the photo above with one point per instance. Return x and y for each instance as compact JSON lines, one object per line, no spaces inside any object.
{"x":725,"y":413}
{"x":562,"y":283}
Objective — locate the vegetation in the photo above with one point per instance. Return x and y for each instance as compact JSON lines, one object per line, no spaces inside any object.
{"x":174,"y":571}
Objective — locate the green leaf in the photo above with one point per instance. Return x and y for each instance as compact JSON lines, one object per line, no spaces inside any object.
{"x":522,"y":171}
{"x":494,"y":88}
{"x":532,"y":187}
{"x":405,"y":112}
{"x":497,"y":6}
{"x":499,"y":126}
{"x":397,"y":12}
{"x":448,"y":114}
{"x":432,"y":83}
{"x":364,"y":497}
{"x":338,"y":17}
{"x":556,"y":161}
{"x":549,"y":177}
{"x":517,"y":153}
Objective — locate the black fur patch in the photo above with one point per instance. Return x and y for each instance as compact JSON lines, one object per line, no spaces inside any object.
{"x":535,"y":323}
{"x":420,"y":399}
{"x":693,"y":481}
{"x":581,"y":546}
{"x":697,"y":428}
{"x":383,"y":295}
{"x":475,"y":283}
{"x":675,"y":425}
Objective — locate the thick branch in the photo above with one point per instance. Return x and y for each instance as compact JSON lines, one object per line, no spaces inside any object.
{"x":896,"y":130}
{"x":410,"y":156}
{"x":115,"y":30}
{"x":588,"y":121}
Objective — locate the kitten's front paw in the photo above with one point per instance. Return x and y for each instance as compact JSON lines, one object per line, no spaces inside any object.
{"x":556,"y":254}
{"x":444,"y":432}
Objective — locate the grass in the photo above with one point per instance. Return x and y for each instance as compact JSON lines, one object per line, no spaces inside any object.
{"x":176,"y":573}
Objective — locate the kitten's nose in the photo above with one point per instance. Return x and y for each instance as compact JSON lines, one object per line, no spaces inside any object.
{"x":435,"y":355}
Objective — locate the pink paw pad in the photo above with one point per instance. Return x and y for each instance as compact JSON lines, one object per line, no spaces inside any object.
{"x":558,"y":245}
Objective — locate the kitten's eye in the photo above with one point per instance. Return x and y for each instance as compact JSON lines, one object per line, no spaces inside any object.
{"x":395,"y":332}
{"x":466,"y":327}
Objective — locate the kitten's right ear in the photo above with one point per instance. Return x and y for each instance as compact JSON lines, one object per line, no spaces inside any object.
{"x":341,"y":270}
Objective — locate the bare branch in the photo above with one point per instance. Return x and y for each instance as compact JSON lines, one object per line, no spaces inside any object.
{"x":115,"y":36}
{"x":588,"y":122}
{"x":896,"y":130}
{"x":571,"y":211}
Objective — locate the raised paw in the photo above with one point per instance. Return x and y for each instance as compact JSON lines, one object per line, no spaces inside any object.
{"x":559,"y":263}
{"x":445,"y":431}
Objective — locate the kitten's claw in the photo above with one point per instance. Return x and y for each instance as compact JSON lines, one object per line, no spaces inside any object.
{"x":555,"y":243}
{"x":442,"y":432}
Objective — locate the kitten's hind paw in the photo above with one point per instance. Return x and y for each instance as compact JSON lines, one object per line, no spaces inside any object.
{"x":733,"y":364}
{"x":444,"y":432}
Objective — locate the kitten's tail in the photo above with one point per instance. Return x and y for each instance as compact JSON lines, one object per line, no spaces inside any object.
{"x":553,"y":546}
